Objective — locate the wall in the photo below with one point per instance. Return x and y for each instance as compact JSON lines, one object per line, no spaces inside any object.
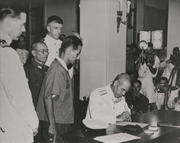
{"x":67,"y":10}
{"x":151,"y":15}
{"x":103,"y":53}
{"x":173,"y":25}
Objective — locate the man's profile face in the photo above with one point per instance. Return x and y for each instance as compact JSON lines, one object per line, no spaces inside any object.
{"x":119,"y":90}
{"x":74,"y":54}
{"x":16,"y":26}
{"x":21,"y":43}
{"x":54,"y":30}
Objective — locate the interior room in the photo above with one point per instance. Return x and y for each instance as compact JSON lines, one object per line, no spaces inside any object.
{"x":110,"y":31}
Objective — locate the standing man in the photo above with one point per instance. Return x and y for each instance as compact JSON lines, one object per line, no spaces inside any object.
{"x":18,"y":119}
{"x":55,"y":104}
{"x":54,"y":27}
{"x":147,"y":66}
{"x":108,"y":103}
{"x":22,"y":52}
{"x":36,"y":70}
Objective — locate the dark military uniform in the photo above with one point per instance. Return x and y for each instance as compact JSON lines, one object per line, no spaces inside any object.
{"x":35,"y":73}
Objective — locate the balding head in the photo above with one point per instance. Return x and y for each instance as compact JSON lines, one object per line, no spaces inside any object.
{"x":122,"y":78}
{"x":121,"y":85}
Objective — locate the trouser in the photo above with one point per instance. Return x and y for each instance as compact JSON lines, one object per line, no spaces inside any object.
{"x":60,"y":129}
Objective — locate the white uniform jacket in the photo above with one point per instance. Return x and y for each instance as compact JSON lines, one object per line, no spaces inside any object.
{"x":102,"y":106}
{"x":53,"y":47}
{"x":18,"y":118}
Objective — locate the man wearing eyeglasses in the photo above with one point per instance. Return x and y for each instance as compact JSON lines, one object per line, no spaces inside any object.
{"x":108,"y":103}
{"x":36,"y":70}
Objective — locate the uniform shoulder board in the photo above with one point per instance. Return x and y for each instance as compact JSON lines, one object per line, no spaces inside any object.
{"x":3,"y":43}
{"x":103,"y":92}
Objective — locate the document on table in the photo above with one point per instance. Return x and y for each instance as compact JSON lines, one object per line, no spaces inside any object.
{"x":142,"y":125}
{"x":116,"y":138}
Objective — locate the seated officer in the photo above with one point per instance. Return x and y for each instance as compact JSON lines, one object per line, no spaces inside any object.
{"x":108,"y":103}
{"x":137,"y":101}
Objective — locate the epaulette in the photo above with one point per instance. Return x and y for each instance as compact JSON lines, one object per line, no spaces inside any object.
{"x":102,"y":92}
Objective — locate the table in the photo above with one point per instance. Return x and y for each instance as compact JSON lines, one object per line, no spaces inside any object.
{"x":163,"y":135}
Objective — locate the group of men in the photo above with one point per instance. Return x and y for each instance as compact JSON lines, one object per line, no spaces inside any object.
{"x":48,"y":94}
{"x":118,"y":100}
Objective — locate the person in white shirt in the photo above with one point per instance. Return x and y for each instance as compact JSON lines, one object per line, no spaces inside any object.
{"x":54,"y":28}
{"x":174,"y":98}
{"x":147,"y":67}
{"x":108,"y":103}
{"x":22,"y":52}
{"x":18,"y":118}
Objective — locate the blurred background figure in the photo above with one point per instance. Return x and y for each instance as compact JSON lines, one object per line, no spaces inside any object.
{"x":21,"y":49}
{"x":131,"y":57}
{"x":137,"y":102}
{"x":147,"y":66}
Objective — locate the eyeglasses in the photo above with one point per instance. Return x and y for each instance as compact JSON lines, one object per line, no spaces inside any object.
{"x":43,"y":51}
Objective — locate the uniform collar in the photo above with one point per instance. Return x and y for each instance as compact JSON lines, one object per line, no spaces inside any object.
{"x":49,"y":38}
{"x":62,"y":63}
{"x":36,"y":64}
{"x":5,"y":37}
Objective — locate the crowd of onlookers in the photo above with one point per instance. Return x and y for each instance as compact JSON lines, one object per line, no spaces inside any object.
{"x":36,"y":86}
{"x":155,"y":79}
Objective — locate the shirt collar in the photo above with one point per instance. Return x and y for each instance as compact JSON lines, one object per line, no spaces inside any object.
{"x":49,"y":38}
{"x":5,"y":37}
{"x":62,"y":63}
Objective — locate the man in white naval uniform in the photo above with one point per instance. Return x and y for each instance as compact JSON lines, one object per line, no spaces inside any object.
{"x":108,"y":104}
{"x":54,"y":27}
{"x":18,"y":118}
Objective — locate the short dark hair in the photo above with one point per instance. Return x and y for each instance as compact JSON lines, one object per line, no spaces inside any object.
{"x":12,"y":10}
{"x":70,"y":41}
{"x":54,"y":18}
{"x":137,"y":81}
{"x":35,"y":43}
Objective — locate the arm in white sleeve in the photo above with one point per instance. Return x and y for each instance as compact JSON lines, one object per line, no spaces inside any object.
{"x":16,"y":87}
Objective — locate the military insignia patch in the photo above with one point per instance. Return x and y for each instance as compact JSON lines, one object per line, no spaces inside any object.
{"x":102,"y":92}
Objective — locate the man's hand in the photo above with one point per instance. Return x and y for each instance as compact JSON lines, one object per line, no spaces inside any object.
{"x":35,"y":132}
{"x":52,"y":131}
{"x":125,"y":116}
{"x":149,"y":64}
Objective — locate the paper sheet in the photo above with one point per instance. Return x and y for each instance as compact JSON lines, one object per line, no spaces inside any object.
{"x":116,"y":138}
{"x":142,"y":125}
